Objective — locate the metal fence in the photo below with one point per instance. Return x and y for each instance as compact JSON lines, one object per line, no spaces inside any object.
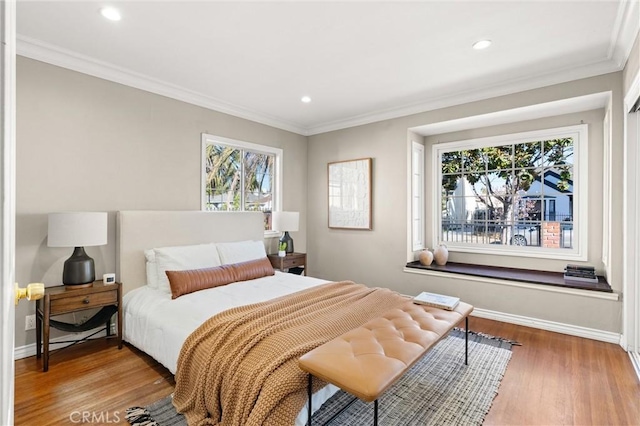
{"x":526,"y":233}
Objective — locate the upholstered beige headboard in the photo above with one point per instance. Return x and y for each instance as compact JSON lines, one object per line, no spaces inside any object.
{"x":141,"y":230}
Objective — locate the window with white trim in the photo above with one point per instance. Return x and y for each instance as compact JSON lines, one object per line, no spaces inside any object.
{"x":417,"y":196}
{"x":520,"y":194}
{"x":240,"y":176}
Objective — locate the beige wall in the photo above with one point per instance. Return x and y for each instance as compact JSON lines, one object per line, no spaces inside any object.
{"x":86,"y":144}
{"x":632,"y":66}
{"x":377,"y":257}
{"x":89,"y":144}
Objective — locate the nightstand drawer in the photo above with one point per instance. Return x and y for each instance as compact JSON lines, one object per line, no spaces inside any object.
{"x":290,"y":262}
{"x":86,"y":301}
{"x":297,"y":262}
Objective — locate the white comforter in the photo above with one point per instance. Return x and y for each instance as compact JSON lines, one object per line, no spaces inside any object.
{"x":158,"y":325}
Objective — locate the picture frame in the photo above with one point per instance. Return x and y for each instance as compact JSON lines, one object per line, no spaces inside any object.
{"x":349,"y":194}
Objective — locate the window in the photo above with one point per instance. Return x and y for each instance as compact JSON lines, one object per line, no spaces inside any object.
{"x":240,"y":176}
{"x":417,"y":196}
{"x":518,"y":194}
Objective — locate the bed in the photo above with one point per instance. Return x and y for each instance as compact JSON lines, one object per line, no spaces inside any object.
{"x":158,"y":324}
{"x":201,"y":297}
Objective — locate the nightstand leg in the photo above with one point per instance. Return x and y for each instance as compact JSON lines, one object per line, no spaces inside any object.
{"x":38,"y":335}
{"x":45,"y":336}
{"x":119,"y":316}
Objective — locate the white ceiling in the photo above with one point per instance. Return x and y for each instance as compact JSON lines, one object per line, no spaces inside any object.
{"x":359,"y":61}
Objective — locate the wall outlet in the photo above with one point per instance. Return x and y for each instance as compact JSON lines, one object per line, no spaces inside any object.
{"x":30,"y":322}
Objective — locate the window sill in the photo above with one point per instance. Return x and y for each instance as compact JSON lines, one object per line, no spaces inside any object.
{"x":541,"y":280}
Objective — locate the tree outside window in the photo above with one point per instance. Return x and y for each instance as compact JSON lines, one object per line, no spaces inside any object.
{"x":238,"y":178}
{"x":509,"y":193}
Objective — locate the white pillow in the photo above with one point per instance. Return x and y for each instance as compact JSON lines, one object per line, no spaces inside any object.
{"x":182,"y":258}
{"x":240,"y":251}
{"x":152,"y":272}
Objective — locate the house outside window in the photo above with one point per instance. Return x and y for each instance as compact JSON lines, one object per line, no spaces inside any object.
{"x":521,"y":194}
{"x":240,"y":176}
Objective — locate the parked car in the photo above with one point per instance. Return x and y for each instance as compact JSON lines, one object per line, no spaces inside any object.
{"x":530,"y":235}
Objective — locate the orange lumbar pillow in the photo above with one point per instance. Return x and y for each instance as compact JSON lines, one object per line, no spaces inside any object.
{"x":185,"y":282}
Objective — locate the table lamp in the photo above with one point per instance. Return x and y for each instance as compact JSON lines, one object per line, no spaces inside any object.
{"x":286,"y":221}
{"x":78,"y":229}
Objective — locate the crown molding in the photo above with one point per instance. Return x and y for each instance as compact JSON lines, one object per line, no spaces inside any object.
{"x":622,"y":39}
{"x":529,"y":112}
{"x":625,"y":31}
{"x":54,"y":55}
{"x":504,"y":88}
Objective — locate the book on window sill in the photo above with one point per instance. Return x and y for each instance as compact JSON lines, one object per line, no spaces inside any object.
{"x":579,"y":273}
{"x":574,"y":275}
{"x":571,"y":273}
{"x":593,"y":280}
{"x":571,"y":267}
{"x":437,"y":300}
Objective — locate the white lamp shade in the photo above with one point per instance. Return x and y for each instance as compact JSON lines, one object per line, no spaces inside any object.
{"x":77,"y":229}
{"x":286,"y":221}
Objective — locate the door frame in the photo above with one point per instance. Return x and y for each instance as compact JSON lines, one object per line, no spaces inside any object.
{"x":631,"y":228}
{"x":7,"y":206}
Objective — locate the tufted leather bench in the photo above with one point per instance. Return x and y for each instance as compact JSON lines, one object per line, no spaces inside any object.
{"x":366,"y":361}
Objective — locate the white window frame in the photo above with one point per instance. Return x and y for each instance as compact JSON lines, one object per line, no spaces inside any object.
{"x":607,"y":190}
{"x":417,"y":196}
{"x":248,"y":146}
{"x":579,"y":133}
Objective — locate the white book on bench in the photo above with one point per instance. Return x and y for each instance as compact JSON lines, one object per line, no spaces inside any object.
{"x":437,"y":300}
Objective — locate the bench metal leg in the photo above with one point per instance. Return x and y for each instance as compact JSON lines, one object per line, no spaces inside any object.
{"x":342,"y":410}
{"x":310,"y":394}
{"x":466,"y":340}
{"x":375,"y":413}
{"x":337,"y":414}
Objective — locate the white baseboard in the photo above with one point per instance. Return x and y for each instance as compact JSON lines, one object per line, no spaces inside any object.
{"x":572,"y":330}
{"x":30,"y":349}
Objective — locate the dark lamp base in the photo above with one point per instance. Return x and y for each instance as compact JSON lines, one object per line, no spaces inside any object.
{"x":287,"y":239}
{"x":79,"y":269}
{"x":77,"y":286}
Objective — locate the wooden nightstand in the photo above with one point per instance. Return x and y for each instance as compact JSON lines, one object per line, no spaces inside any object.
{"x":291,"y":260}
{"x":63,"y":300}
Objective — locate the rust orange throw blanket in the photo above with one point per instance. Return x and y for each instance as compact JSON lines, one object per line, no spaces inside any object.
{"x":240,"y":367}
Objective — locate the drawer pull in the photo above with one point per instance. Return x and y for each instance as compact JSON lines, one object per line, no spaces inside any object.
{"x":86,"y":301}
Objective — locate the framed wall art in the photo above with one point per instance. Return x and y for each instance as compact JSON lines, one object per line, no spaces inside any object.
{"x":350,"y":194}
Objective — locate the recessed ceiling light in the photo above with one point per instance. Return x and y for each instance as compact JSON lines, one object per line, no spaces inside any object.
{"x":306,"y":99}
{"x":482,"y":44}
{"x":110,"y":13}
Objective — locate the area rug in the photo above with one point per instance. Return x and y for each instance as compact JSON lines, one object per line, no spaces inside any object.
{"x":438,"y":390}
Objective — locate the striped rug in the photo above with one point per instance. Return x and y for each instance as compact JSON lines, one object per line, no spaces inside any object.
{"x":438,"y":390}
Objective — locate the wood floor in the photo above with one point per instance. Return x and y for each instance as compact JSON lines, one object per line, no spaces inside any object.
{"x":552,"y":379}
